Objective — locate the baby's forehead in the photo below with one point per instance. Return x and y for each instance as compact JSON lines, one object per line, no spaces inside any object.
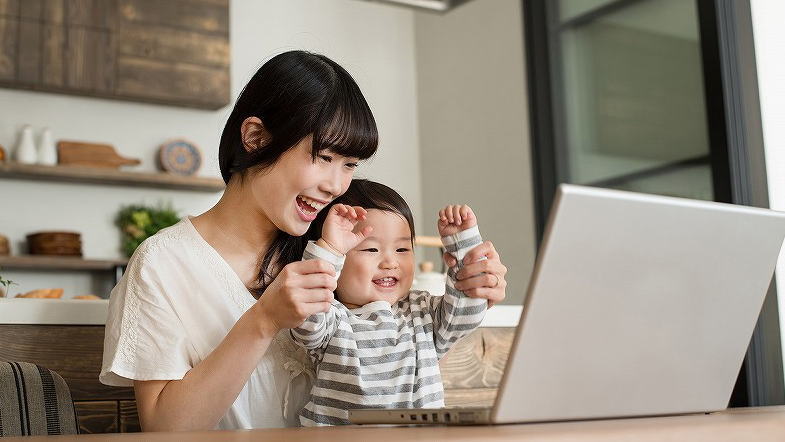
{"x":386,"y":224}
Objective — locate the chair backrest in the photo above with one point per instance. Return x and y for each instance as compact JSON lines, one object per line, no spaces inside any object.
{"x":34,"y":401}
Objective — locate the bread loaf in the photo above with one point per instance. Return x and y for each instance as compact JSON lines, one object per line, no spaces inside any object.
{"x":42,"y":293}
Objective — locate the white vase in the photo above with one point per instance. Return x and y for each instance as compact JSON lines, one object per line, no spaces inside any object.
{"x":47,"y":151}
{"x":428,"y":280}
{"x":25,"y":147}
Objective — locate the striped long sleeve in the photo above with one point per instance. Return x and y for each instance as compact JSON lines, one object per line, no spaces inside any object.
{"x":317,"y":330}
{"x":382,"y":355}
{"x":455,"y":314}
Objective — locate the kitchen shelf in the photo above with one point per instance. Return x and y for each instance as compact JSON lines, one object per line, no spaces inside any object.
{"x":96,"y":175}
{"x":36,"y":262}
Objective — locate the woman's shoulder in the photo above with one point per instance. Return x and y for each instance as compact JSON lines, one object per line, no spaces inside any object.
{"x":166,"y":264}
{"x":176,"y":239}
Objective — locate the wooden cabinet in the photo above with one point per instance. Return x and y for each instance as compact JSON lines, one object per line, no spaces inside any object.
{"x":75,"y":353}
{"x":471,"y":371}
{"x":97,"y":416}
{"x":174,"y":52}
{"x":129,"y":418}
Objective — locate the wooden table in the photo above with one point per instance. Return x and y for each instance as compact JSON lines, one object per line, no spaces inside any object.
{"x":758,"y":424}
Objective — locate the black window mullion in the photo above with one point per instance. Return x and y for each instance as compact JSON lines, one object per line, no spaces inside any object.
{"x":536,"y":34}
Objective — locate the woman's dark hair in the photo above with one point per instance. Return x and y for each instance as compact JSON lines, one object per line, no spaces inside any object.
{"x":296,"y":94}
{"x":368,"y":195}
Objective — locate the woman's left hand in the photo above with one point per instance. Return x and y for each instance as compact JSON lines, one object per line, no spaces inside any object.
{"x":481,"y":278}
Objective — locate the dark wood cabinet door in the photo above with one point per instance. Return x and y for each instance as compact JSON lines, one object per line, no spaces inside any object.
{"x":97,"y":416}
{"x":75,"y":352}
{"x":129,"y":418}
{"x":173,"y":52}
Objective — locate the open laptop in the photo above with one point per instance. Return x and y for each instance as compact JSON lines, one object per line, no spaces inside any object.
{"x":639,"y":305}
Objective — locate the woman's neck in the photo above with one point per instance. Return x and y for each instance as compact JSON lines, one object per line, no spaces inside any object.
{"x":230,"y":225}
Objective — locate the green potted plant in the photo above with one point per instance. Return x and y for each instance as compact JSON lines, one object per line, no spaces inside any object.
{"x":138,"y":222}
{"x":5,"y":285}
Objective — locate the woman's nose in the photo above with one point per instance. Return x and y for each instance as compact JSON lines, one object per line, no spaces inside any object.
{"x":333,"y":183}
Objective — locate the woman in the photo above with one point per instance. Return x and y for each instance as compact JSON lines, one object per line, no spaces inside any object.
{"x":194,"y":323}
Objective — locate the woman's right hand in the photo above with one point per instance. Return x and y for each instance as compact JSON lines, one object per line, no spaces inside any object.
{"x":301,"y":289}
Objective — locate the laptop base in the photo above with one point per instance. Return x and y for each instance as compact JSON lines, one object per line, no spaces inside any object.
{"x":422,"y":416}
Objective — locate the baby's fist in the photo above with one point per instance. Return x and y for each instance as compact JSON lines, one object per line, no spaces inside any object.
{"x":455,"y":218}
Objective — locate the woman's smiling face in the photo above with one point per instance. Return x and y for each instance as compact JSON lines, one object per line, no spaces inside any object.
{"x":292,"y":191}
{"x":381,"y":267}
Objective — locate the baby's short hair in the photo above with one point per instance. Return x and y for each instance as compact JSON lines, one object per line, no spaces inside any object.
{"x":372,"y":195}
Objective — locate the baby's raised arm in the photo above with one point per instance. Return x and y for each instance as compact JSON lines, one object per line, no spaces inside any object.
{"x":455,"y":314}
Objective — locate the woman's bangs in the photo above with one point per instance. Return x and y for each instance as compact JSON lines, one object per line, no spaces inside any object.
{"x":349,"y":131}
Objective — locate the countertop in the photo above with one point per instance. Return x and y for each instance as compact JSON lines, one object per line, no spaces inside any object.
{"x":94,"y":312}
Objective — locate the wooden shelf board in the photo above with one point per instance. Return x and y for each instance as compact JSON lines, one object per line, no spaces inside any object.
{"x":95,"y":175}
{"x":40,"y":262}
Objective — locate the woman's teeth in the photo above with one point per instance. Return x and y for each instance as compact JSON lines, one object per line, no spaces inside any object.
{"x":308,"y":204}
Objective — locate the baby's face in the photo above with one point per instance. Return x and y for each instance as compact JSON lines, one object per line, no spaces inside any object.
{"x":381,"y":268}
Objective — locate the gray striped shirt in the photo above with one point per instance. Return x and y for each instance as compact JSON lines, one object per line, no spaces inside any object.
{"x":381,"y":355}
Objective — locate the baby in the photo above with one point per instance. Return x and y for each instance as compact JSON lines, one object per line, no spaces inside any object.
{"x":380,"y":343}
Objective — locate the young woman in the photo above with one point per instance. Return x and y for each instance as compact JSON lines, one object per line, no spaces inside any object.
{"x":194,"y":323}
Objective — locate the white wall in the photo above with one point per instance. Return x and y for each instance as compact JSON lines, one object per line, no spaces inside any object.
{"x":474,"y":126}
{"x":767,"y":19}
{"x":375,"y":43}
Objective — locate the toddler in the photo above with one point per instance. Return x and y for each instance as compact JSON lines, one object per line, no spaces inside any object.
{"x":380,"y":343}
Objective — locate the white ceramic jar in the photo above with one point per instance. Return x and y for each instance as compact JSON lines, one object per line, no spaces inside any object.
{"x":47,"y":151}
{"x":25,"y":151}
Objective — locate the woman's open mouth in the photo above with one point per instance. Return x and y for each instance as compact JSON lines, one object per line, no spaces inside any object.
{"x":307,"y":208}
{"x":386,"y":282}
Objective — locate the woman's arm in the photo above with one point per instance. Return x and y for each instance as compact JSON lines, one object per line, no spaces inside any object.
{"x":202,"y":397}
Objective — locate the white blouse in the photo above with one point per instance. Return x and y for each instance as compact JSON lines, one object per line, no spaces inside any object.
{"x":176,"y":302}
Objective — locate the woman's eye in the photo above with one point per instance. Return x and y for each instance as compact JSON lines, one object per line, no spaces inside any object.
{"x":370,"y":250}
{"x":326,"y":158}
{"x":402,"y":250}
{"x":352,"y":165}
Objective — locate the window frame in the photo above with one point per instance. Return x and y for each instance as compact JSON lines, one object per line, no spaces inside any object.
{"x":736,"y":154}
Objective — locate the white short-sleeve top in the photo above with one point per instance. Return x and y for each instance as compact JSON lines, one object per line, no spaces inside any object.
{"x":176,"y":302}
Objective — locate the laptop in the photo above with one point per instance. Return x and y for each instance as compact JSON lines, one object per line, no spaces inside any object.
{"x":639,"y":305}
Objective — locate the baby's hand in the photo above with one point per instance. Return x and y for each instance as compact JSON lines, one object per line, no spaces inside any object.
{"x":455,"y":218}
{"x":338,"y":234}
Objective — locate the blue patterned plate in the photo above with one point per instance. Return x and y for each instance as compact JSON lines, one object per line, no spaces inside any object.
{"x":180,"y":157}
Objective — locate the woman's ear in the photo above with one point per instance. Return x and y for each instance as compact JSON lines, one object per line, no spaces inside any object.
{"x":254,"y":134}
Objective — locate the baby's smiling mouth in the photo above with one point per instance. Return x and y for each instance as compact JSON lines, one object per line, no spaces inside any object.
{"x":388,"y":281}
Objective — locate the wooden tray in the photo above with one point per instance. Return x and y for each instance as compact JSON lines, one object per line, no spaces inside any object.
{"x":77,"y":153}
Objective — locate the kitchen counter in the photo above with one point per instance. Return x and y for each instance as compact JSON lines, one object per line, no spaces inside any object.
{"x":53,"y":311}
{"x":94,"y":312}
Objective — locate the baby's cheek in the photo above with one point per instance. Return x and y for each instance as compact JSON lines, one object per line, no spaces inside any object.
{"x":346,"y":286}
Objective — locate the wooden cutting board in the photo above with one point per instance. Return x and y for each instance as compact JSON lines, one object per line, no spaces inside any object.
{"x":77,"y":153}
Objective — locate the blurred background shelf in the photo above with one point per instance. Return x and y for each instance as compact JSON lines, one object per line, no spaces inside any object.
{"x":32,"y":262}
{"x":72,"y":174}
